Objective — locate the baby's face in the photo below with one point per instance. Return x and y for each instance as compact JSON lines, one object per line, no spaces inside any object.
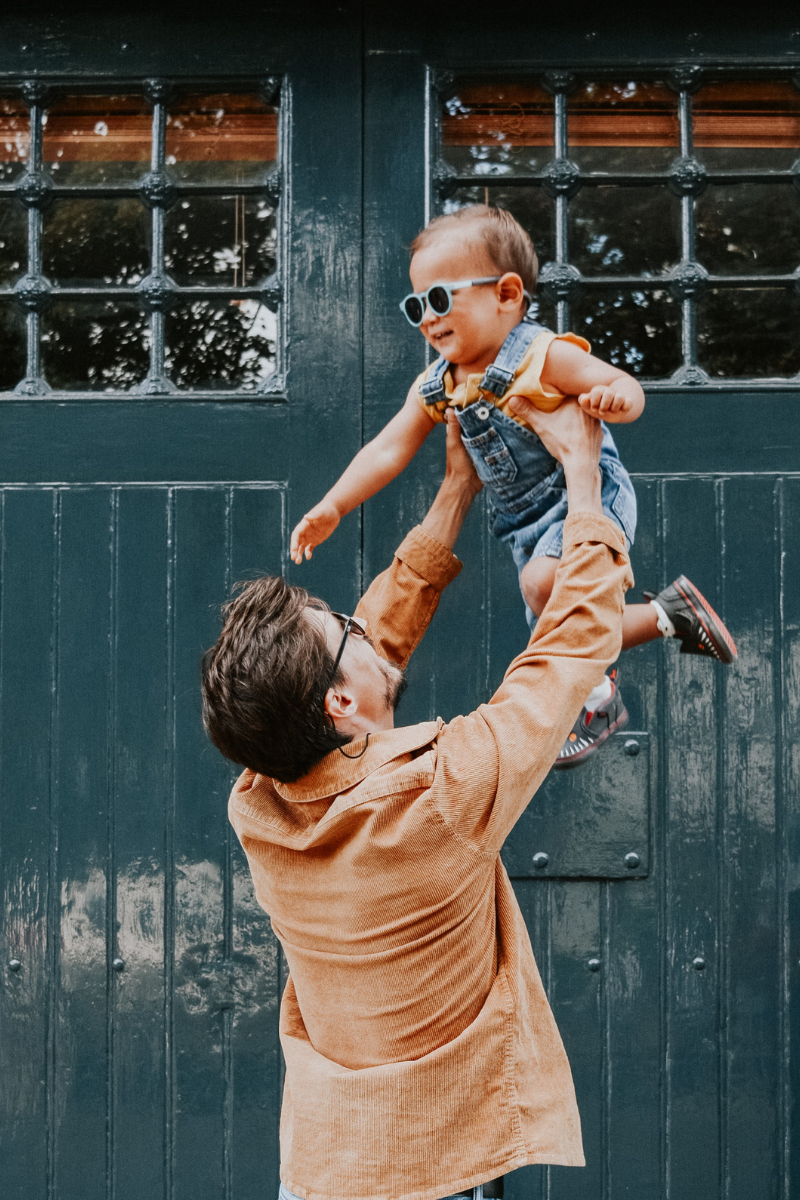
{"x":477,"y":323}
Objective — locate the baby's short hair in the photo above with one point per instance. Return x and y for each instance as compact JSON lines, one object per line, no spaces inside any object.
{"x":507,"y":243}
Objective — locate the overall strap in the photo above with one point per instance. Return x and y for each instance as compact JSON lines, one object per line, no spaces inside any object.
{"x":432,"y":390}
{"x":499,"y":375}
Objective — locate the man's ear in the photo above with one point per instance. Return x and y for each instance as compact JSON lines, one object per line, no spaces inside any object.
{"x":510,"y":290}
{"x":340,"y":703}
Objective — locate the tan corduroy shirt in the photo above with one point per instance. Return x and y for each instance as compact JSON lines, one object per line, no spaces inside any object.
{"x":422,"y":1057}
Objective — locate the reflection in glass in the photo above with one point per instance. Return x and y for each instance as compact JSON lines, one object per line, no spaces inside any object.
{"x":624,"y":231}
{"x":97,"y":139}
{"x":623,"y":126}
{"x":747,"y":124}
{"x":15,"y":139}
{"x":749,"y":332}
{"x":225,"y":240}
{"x":96,"y":241}
{"x":748,"y":228}
{"x":532,"y":207}
{"x":638,"y":331}
{"x":498,"y":129}
{"x":94,"y":345}
{"x":12,"y":346}
{"x":13,"y":240}
{"x":221,"y":344}
{"x":221,"y":137}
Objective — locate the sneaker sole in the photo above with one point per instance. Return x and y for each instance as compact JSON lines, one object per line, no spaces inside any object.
{"x":575,"y":760}
{"x":720,"y":642}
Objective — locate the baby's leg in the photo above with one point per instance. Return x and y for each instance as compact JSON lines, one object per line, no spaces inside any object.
{"x":639,"y":621}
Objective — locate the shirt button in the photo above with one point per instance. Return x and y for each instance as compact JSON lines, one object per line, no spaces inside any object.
{"x":483,"y":412}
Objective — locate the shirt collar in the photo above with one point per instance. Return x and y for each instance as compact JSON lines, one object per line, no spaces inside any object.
{"x":336,"y":773}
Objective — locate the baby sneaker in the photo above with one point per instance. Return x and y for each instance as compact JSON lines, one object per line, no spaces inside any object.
{"x":600,"y":717}
{"x":683,"y":612}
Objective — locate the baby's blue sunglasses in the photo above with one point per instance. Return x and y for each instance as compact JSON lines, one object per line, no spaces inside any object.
{"x":440,"y":298}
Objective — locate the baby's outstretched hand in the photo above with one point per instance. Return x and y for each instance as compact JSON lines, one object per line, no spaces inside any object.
{"x":607,"y":401}
{"x":317,"y":525}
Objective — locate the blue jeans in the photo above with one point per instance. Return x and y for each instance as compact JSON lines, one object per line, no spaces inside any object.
{"x":285,"y":1194}
{"x":527,"y":487}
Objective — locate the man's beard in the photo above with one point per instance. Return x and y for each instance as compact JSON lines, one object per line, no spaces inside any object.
{"x":396,"y":684}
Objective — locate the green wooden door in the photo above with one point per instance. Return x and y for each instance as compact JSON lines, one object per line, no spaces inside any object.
{"x":158,"y":441}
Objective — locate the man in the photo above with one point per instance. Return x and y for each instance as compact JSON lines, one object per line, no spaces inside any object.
{"x":422,"y":1058}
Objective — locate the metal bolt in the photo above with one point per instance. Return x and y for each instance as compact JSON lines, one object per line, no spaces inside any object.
{"x":541,"y":860}
{"x":14,"y":964}
{"x":699,"y":963}
{"x":593,"y":964}
{"x":632,"y":861}
{"x":632,"y":747}
{"x":118,"y":964}
{"x":482,"y":412}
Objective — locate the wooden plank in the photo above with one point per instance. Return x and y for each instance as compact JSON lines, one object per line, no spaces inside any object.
{"x":143,"y":818}
{"x":83,"y":683}
{"x":27,"y":822}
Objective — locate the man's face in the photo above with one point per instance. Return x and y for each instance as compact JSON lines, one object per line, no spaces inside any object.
{"x":476,"y":325}
{"x":366,"y":700}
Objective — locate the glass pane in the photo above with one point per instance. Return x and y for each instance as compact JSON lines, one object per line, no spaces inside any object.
{"x":745,"y":124}
{"x":100,"y":345}
{"x":94,"y":242}
{"x":221,"y":137}
{"x":498,"y":129}
{"x":13,"y":240}
{"x":223,"y":344}
{"x":749,"y":228}
{"x":12,"y":346}
{"x":15,"y":136}
{"x":624,"y":126}
{"x":624,"y":231}
{"x":638,"y":331}
{"x":532,"y":207}
{"x":97,"y":139}
{"x":749,"y":332}
{"x":224,"y":240}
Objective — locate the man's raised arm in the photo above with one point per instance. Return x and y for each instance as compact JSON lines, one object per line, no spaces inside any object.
{"x":400,"y":603}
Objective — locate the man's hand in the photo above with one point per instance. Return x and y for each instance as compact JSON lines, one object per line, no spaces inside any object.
{"x":459,"y":488}
{"x":574,"y":438}
{"x":460,"y":467}
{"x":315,"y":527}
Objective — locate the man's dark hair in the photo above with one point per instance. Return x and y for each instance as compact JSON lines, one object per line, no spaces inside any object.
{"x":264,"y":682}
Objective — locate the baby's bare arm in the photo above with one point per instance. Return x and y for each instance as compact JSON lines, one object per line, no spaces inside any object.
{"x":375,"y":465}
{"x":604,"y":391}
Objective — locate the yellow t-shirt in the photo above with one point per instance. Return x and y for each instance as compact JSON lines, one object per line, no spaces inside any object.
{"x":527,"y":382}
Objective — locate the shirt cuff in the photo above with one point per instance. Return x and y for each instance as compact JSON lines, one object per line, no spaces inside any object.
{"x":429,"y":558}
{"x":592,"y":527}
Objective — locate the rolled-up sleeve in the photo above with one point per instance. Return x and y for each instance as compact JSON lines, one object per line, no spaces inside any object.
{"x":490,"y":763}
{"x":399,"y":604}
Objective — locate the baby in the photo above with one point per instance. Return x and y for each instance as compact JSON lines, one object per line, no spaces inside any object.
{"x":474,"y":272}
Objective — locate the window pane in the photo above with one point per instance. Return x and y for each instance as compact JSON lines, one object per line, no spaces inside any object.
{"x":13,"y":240}
{"x":749,"y":332}
{"x":498,"y":129}
{"x":12,"y":346}
{"x":95,"y":242}
{"x":223,"y":344}
{"x":224,"y":240}
{"x":747,"y":124}
{"x":638,"y":331}
{"x":624,"y":231}
{"x":624,"y":126}
{"x":532,"y":207}
{"x":98,"y":345}
{"x":748,"y":228}
{"x":97,"y":139}
{"x":15,"y":137}
{"x":221,"y":137}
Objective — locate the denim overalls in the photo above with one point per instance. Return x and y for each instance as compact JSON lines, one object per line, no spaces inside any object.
{"x":526,"y":483}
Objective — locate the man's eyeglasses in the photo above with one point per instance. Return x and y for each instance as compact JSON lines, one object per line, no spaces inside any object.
{"x":349,"y":625}
{"x":439,"y":297}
